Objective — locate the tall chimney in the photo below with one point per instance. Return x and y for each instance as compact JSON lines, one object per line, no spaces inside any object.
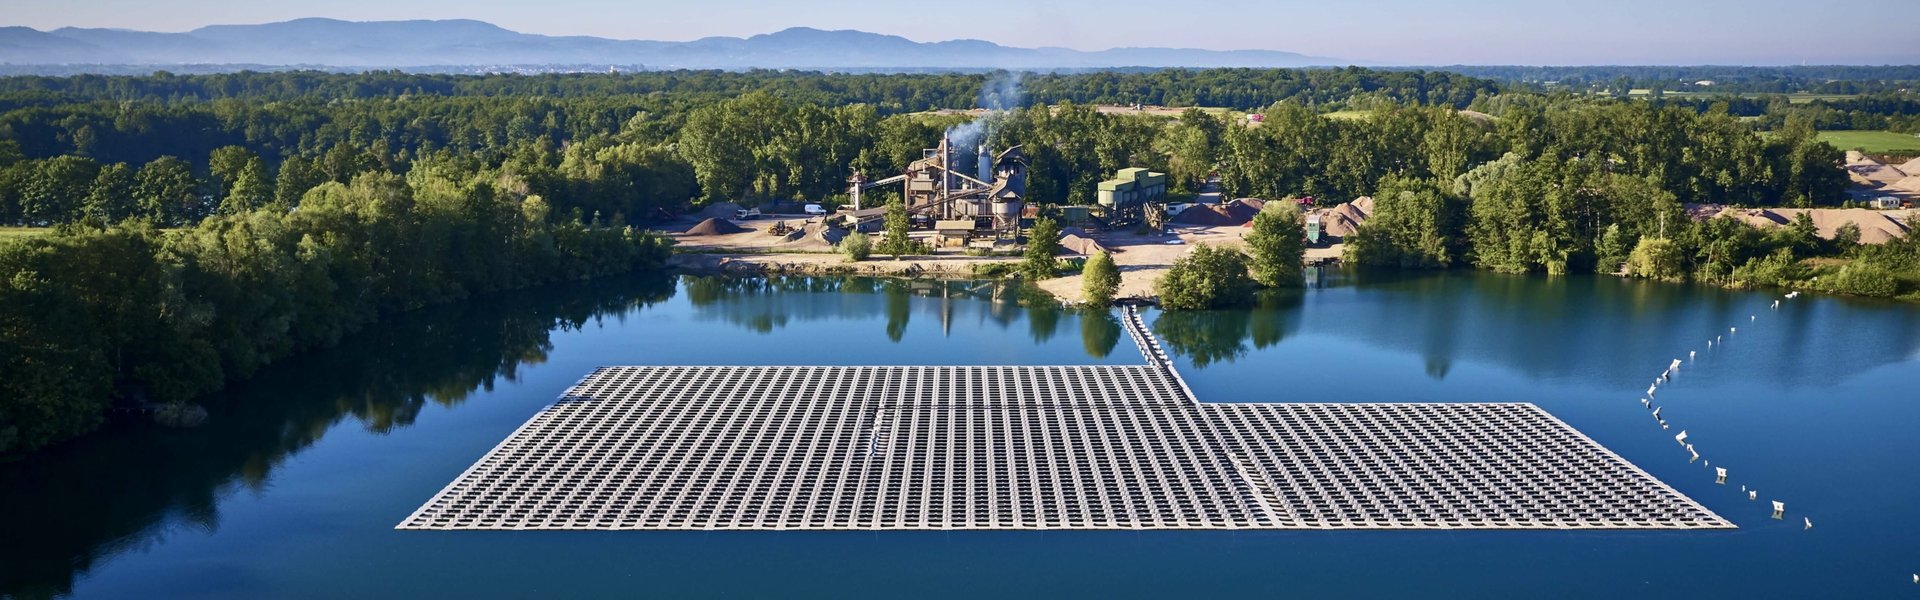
{"x":985,"y":165}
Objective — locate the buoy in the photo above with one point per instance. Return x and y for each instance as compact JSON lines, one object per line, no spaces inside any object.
{"x":1779,"y":508}
{"x":1690,"y":354}
{"x":1751,"y":318}
{"x":1682,"y":438}
{"x":1753,"y":494}
{"x":1743,"y":487}
{"x":1663,"y":425}
{"x":1646,"y":402}
{"x":1733,"y":330}
{"x":1656,"y":413}
{"x":1809,"y":522}
{"x":1720,"y":475}
{"x":1916,"y":577}
{"x":1696,"y":455}
{"x":1776,"y":305}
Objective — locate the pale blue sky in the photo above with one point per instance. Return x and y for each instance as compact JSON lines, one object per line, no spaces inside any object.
{"x":1425,"y":32}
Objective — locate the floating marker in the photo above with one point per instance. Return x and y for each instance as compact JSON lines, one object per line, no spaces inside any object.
{"x":1733,"y":330}
{"x":1651,"y":388}
{"x":1776,"y":305}
{"x":1753,"y":494}
{"x":1656,"y":413}
{"x":1690,"y":354}
{"x":1809,"y":522}
{"x":1646,"y":402}
{"x":1682,"y":438}
{"x":1696,"y":455}
{"x":1743,"y":487}
{"x":1751,"y":318}
{"x":1779,"y":508}
{"x":1720,"y":475}
{"x":1916,"y":577}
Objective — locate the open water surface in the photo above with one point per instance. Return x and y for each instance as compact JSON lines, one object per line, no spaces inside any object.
{"x":293,"y":488}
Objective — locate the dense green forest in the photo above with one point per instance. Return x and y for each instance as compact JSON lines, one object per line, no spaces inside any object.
{"x":91,"y":314}
{"x":209,"y":224}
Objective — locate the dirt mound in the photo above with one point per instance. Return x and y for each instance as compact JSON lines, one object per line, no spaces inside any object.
{"x":1242,"y":210}
{"x":718,"y":210}
{"x":1344,"y":218}
{"x":1911,"y":167}
{"x":1910,"y":184}
{"x":715,"y":226}
{"x":1208,"y":215}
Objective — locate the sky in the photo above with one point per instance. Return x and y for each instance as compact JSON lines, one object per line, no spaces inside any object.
{"x":1409,"y":32}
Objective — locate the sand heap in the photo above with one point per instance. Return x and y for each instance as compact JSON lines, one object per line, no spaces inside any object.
{"x":814,"y":235}
{"x":1910,"y":184}
{"x":1911,"y":167}
{"x":1872,"y":170}
{"x":716,"y":226}
{"x":1343,"y":219}
{"x":1076,"y":240}
{"x":1876,"y":226}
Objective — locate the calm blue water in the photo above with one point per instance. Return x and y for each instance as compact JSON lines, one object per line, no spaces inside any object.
{"x":293,"y":489}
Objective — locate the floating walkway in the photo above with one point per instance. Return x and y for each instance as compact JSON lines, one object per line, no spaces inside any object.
{"x":1069,"y":447}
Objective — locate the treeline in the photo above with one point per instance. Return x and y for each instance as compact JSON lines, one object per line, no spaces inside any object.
{"x":1230,"y":88}
{"x":132,"y":312}
{"x":1554,"y":213}
{"x":1700,"y":157}
{"x":1811,"y":79}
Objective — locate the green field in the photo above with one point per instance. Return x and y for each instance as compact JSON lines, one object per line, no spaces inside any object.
{"x":13,"y":233}
{"x":1348,"y":115}
{"x":1877,"y":142}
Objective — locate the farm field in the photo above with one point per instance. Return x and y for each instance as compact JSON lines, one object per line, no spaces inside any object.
{"x":1877,"y":142}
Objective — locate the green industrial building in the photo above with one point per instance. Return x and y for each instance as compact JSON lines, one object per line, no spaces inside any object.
{"x":1129,"y":191}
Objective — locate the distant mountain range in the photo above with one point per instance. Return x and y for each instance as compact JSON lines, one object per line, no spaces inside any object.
{"x":399,"y":44}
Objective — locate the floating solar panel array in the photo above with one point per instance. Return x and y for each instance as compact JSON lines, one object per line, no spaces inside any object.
{"x":1073,"y":447}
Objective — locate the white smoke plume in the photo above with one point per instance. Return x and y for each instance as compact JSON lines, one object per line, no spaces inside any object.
{"x":1000,"y":94}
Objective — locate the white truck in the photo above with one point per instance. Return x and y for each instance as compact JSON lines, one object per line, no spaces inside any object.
{"x":746,"y":213}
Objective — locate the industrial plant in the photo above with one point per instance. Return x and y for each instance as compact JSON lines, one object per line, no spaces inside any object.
{"x":986,"y":204}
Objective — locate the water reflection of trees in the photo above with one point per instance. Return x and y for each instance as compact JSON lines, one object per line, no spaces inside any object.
{"x":1099,"y":332}
{"x":126,"y":486}
{"x":1209,"y":336}
{"x":1603,"y":328}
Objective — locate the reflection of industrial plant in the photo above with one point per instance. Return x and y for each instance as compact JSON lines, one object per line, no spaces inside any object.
{"x":941,"y":196}
{"x":764,"y":304}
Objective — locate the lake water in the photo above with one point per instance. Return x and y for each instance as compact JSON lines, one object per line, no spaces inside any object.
{"x":293,"y":488}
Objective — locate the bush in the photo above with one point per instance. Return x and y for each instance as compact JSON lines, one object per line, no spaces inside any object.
{"x":1100,"y":281}
{"x":1207,"y":277}
{"x":857,"y":246}
{"x":1863,"y":279}
{"x":1657,"y":258}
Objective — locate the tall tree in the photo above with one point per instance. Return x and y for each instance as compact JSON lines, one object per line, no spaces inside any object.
{"x":1043,"y":242}
{"x":166,"y":190}
{"x":1276,"y":245}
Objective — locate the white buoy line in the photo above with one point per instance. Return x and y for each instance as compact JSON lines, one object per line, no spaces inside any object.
{"x":1720,"y":473}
